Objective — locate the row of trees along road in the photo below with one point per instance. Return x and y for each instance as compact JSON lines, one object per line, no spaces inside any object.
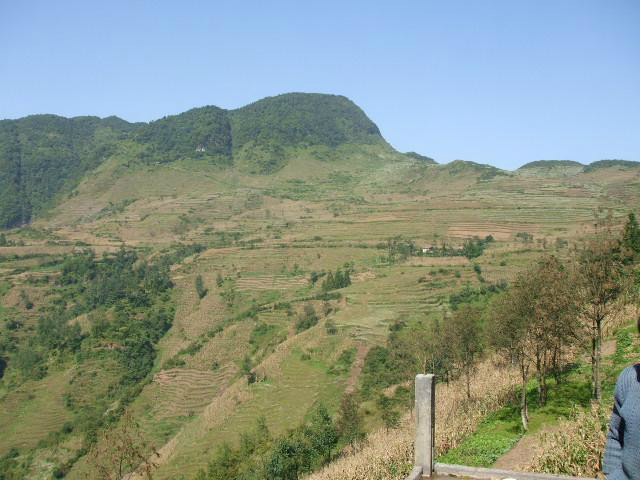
{"x":553,"y":308}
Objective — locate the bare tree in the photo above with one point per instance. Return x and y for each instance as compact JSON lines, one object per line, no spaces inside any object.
{"x":123,"y":450}
{"x":463,"y":336}
{"x":601,"y":285}
{"x":511,"y":336}
{"x":554,"y":317}
{"x":535,"y":322}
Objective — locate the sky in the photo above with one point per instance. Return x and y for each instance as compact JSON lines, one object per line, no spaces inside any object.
{"x":502,"y":82}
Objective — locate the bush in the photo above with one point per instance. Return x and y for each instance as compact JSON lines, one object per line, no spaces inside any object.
{"x":201,"y":290}
{"x":307,"y":319}
{"x":330,"y":327}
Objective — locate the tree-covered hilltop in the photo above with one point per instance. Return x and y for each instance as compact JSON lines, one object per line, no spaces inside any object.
{"x":264,"y":130}
{"x":200,"y":132}
{"x":294,"y":119}
{"x":550,"y":164}
{"x":42,"y":154}
{"x":610,"y":163}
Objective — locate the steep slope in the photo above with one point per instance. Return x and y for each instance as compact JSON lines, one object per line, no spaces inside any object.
{"x":44,"y":155}
{"x":264,"y":131}
{"x":41,"y":155}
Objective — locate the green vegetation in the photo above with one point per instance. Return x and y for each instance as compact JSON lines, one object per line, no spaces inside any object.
{"x":422,"y":158}
{"x":307,"y":319}
{"x":287,"y":457}
{"x":129,"y":308}
{"x":83,"y":337}
{"x":201,"y":133}
{"x":551,"y":164}
{"x":610,"y":163}
{"x":42,"y":155}
{"x":201,"y":290}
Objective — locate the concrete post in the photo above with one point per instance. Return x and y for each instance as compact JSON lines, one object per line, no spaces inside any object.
{"x":425,"y":423}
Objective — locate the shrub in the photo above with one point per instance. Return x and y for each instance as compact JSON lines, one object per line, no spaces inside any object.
{"x":307,"y":319}
{"x":330,"y":327}
{"x":201,"y":290}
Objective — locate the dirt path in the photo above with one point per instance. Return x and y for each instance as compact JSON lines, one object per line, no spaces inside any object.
{"x":357,"y":368}
{"x":525,"y":450}
{"x":608,"y":347}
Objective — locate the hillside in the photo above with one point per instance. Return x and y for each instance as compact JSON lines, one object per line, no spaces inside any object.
{"x":43,"y":156}
{"x":207,"y":304}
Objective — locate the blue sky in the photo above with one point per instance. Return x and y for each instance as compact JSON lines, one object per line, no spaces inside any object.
{"x":495,"y":81}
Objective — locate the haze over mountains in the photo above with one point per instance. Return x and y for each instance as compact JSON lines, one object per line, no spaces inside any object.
{"x":44,"y":156}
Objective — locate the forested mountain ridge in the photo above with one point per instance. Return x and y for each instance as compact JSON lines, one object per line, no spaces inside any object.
{"x":42,"y":155}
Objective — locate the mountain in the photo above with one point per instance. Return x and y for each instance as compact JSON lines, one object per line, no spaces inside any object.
{"x":215,"y":279}
{"x":41,"y":155}
{"x":550,"y":164}
{"x":44,"y":155}
{"x":422,"y":158}
{"x":626,"y":164}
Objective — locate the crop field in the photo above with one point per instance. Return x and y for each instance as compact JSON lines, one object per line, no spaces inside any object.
{"x":263,"y":237}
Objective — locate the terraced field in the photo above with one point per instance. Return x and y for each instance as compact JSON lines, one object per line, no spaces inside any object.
{"x":263,"y":238}
{"x":33,"y":411}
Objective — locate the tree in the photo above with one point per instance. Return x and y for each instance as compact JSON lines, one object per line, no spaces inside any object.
{"x":289,"y":457}
{"x":247,"y":370}
{"x":534,"y":321}
{"x":601,"y":284}
{"x":463,"y":337}
{"x":224,"y":464}
{"x":390,"y":416}
{"x":322,"y":434}
{"x":555,"y":317}
{"x":307,"y":319}
{"x":426,"y":343}
{"x":123,"y":450}
{"x":630,"y":241}
{"x":512,"y":337}
{"x":349,"y":423}
{"x":229,"y":294}
{"x":201,"y":290}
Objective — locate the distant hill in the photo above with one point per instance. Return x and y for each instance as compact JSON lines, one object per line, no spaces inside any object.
{"x":610,"y":163}
{"x":43,"y":155}
{"x":484,"y":171}
{"x":550,"y":164}
{"x":422,"y":158}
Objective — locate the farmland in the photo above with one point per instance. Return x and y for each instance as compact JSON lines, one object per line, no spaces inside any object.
{"x":263,"y":236}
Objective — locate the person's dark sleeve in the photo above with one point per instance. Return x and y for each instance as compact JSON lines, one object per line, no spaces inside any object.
{"x":612,"y":465}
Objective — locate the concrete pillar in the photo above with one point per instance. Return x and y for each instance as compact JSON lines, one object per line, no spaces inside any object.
{"x":425,"y":422}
